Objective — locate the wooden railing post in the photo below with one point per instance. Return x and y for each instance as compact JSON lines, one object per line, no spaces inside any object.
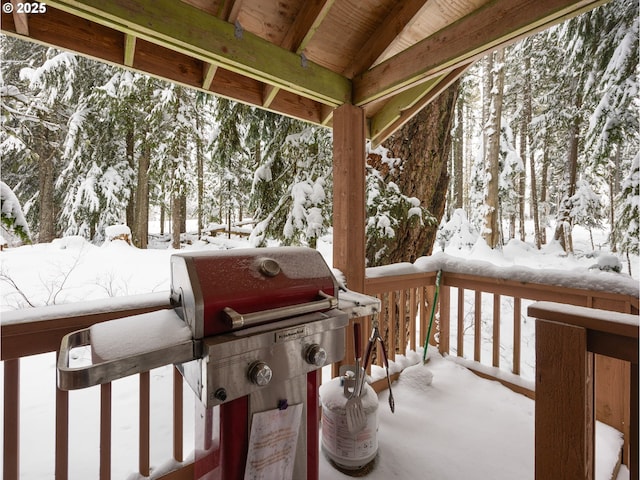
{"x":564,"y":412}
{"x":11,"y":460}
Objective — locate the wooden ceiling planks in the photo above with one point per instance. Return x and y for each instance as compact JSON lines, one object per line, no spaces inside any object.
{"x":434,"y":15}
{"x":347,"y":26}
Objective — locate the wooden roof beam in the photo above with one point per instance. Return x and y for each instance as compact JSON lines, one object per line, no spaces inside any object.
{"x":20,"y":19}
{"x":384,"y":36}
{"x":227,"y":11}
{"x":299,"y":34}
{"x":187,"y":30}
{"x":129,"y":49}
{"x":496,"y":24}
{"x":401,"y":108}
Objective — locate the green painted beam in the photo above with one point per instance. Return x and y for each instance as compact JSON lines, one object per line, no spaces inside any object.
{"x":183,"y":28}
{"x":129,"y":49}
{"x":397,"y":104}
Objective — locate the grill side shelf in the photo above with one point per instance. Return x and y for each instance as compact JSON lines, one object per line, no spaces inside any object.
{"x":73,"y":378}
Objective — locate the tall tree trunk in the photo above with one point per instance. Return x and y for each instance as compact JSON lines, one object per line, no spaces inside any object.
{"x":491,"y":232}
{"x":129,"y":151}
{"x":527,"y":115}
{"x":564,"y":222}
{"x":424,"y":145}
{"x":141,"y":225}
{"x":458,"y":156}
{"x":183,"y":213}
{"x":522,"y":176}
{"x":163,"y":209}
{"x":46,"y":181}
{"x":544,"y":176}
{"x":200,"y":181}
{"x":614,"y":188}
{"x":176,"y":208}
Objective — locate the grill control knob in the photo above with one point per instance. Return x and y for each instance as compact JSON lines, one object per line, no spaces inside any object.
{"x":260,"y":373}
{"x":315,"y":355}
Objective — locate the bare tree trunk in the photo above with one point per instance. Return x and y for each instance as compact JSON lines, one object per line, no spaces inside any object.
{"x":176,"y":207}
{"x":141,"y":217}
{"x":46,"y":180}
{"x":162,"y":209}
{"x":614,"y":188}
{"x":522,"y":176}
{"x":200,"y":181}
{"x":564,"y":222}
{"x":129,"y":148}
{"x":458,"y":156}
{"x":424,"y":145}
{"x":491,"y":232}
{"x":543,"y":192}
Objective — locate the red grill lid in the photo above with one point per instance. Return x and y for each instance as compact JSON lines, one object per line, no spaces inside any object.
{"x":247,"y":281}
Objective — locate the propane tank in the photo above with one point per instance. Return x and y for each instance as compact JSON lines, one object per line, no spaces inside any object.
{"x":350,"y":452}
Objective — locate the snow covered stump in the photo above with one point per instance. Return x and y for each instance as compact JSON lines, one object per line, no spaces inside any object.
{"x":117,"y":232}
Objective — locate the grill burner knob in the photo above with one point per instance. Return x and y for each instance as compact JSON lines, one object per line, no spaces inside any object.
{"x":220,"y":394}
{"x":315,"y":355}
{"x":260,"y":373}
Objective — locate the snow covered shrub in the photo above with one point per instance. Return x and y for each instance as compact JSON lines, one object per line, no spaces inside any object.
{"x":457,"y":232}
{"x":13,"y":221}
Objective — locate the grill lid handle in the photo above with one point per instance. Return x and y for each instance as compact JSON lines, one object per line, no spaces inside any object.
{"x":237,"y":320}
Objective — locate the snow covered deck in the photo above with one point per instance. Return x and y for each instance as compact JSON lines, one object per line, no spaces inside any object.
{"x":450,"y":424}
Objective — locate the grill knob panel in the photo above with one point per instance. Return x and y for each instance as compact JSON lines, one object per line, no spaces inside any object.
{"x":315,"y":355}
{"x":260,"y":373}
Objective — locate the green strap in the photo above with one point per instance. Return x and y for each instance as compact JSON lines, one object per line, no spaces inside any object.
{"x":433,"y":314}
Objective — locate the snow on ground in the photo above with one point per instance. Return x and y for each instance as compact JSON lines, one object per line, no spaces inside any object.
{"x":434,"y":426}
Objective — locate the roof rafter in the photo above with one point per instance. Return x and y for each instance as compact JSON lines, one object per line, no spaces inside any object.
{"x":185,"y":29}
{"x":20,"y":18}
{"x":384,"y":36}
{"x":401,"y":108}
{"x":299,"y":34}
{"x":496,"y":24}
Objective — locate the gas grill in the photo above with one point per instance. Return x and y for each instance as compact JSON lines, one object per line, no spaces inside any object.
{"x":249,"y":331}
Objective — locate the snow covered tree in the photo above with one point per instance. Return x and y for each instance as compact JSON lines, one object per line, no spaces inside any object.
{"x":417,"y":186}
{"x":493,"y":125}
{"x":14,"y":225}
{"x":601,"y":62}
{"x":43,"y":85}
{"x":628,"y":215}
{"x":291,"y":193}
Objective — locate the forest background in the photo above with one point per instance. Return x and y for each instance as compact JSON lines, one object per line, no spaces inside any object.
{"x":544,"y":130}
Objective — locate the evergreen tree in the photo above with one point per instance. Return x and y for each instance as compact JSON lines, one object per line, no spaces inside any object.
{"x":628,"y":215}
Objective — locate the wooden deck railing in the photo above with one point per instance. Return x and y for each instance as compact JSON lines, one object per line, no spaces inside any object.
{"x":410,"y":295}
{"x":567,"y":339}
{"x":406,"y":299}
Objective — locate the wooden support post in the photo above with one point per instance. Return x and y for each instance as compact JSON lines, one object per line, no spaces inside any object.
{"x":11,"y":454}
{"x":62,"y":433}
{"x":634,"y":468}
{"x":564,"y":407}
{"x":349,"y":203}
{"x":105,"y":431}
{"x":144,"y":450}
{"x":349,"y":194}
